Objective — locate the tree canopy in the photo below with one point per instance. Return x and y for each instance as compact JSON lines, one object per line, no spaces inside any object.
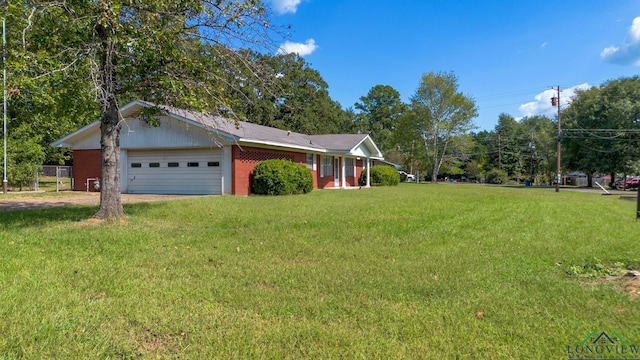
{"x":379,"y":113}
{"x":442,"y":114}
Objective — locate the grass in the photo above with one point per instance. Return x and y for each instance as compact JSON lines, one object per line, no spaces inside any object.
{"x":414,"y":271}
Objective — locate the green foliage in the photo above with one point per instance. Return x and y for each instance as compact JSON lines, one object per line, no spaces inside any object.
{"x":610,"y":112}
{"x":24,"y":158}
{"x":594,"y":268}
{"x":281,"y":177}
{"x":496,"y":176}
{"x":379,"y":113}
{"x":442,"y":114}
{"x":296,"y":99}
{"x":380,"y":175}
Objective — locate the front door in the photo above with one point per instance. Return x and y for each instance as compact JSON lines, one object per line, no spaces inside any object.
{"x":336,"y":171}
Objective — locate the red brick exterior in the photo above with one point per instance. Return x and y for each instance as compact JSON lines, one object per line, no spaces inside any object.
{"x":86,"y":164}
{"x":244,"y":160}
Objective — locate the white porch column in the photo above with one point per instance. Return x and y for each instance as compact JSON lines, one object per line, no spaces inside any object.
{"x":343,"y":178}
{"x":368,"y":173}
{"x":226,"y":170}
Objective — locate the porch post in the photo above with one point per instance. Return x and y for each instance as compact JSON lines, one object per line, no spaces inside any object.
{"x":368,"y":173}
{"x":343,"y":178}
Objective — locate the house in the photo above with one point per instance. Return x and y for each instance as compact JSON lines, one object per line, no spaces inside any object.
{"x":190,"y":153}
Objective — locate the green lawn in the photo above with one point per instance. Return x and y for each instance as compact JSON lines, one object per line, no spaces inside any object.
{"x":447,"y":271}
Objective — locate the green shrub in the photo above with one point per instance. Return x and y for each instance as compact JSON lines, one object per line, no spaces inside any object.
{"x":281,"y":177}
{"x":381,"y":175}
{"x":497,"y":176}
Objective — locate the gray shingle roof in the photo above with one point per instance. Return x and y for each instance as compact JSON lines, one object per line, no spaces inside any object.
{"x":246,"y":131}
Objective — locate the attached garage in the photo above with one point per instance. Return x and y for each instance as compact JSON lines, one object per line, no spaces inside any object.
{"x":192,"y":171}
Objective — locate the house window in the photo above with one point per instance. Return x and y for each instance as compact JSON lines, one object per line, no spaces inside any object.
{"x":349,"y":167}
{"x":213,"y":163}
{"x":173,"y":164}
{"x":193,"y":164}
{"x":136,"y":165}
{"x":326,"y":169}
{"x":154,"y":164}
{"x":311,"y":161}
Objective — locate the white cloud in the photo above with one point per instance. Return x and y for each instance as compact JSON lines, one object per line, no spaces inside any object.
{"x":285,"y":6}
{"x":628,"y":53}
{"x":543,"y":45}
{"x":542,"y":104}
{"x":301,"y":49}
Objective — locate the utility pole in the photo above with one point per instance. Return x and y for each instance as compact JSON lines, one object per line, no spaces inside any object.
{"x":556,"y":101}
{"x":4,"y":102}
{"x":499,"y":153}
{"x":532,"y":148}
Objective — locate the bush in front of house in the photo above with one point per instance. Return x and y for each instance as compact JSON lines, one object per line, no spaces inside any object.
{"x":381,"y":175}
{"x":497,"y":176}
{"x":281,"y":177}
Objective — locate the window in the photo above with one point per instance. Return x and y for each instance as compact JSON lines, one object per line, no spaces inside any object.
{"x":154,"y":164}
{"x":349,"y":167}
{"x":193,"y":164}
{"x":326,"y":169}
{"x":173,"y":164}
{"x":136,"y":165}
{"x":311,"y":161}
{"x":213,"y":163}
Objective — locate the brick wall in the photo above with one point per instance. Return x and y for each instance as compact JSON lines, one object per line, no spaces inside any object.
{"x":86,"y":164}
{"x":244,"y":160}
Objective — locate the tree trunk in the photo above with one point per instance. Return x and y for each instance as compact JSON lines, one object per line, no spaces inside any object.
{"x":589,"y":180}
{"x":434,"y":175}
{"x":110,"y":202}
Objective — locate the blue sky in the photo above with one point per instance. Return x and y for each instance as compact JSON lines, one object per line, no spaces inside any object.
{"x":507,"y":55}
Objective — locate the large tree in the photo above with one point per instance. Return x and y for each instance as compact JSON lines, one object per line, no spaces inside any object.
{"x":296,"y":99}
{"x":172,"y":52}
{"x":602,"y":128}
{"x":379,"y":113}
{"x":442,"y":113}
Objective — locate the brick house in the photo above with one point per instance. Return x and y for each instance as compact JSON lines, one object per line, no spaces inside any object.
{"x":189,"y":153}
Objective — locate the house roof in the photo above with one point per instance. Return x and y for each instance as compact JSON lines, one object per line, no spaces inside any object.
{"x":247,"y":133}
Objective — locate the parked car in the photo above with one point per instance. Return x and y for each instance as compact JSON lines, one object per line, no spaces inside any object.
{"x":632,"y":183}
{"x":621,"y":184}
{"x":406,"y":176}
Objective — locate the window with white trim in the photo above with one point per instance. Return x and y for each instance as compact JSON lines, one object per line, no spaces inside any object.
{"x":349,"y":167}
{"x":311,"y":161}
{"x":326,"y":167}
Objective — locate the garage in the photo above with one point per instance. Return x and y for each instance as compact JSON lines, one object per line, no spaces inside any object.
{"x":192,"y":171}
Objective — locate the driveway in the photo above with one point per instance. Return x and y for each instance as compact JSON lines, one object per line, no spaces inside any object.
{"x":75,"y":198}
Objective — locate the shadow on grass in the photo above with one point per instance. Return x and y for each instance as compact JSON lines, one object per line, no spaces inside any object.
{"x":49,"y":215}
{"x":42,"y":217}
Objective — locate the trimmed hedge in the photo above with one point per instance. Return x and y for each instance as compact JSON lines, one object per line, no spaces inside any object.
{"x":281,"y":177}
{"x":381,"y":175}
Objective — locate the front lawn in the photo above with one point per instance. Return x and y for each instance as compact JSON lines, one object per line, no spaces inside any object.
{"x":447,"y":271}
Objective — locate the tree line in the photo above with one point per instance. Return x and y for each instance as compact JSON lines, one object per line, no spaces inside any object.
{"x":71,"y":63}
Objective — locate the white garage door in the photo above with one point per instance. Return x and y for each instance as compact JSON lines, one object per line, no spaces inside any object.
{"x":194,"y":171}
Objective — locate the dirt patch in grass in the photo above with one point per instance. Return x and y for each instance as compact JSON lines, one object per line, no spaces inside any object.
{"x":37,"y":201}
{"x":630,"y":282}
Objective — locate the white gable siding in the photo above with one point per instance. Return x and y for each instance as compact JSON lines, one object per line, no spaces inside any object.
{"x":171,"y":133}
